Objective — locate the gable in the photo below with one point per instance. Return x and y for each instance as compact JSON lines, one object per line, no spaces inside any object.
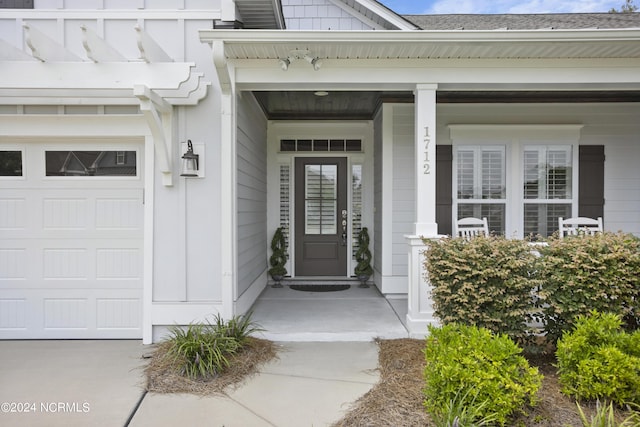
{"x":341,"y":15}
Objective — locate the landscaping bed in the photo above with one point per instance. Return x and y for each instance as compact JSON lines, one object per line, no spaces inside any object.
{"x":397,"y":398}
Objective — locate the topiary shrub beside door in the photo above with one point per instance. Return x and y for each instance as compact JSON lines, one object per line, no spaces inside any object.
{"x":363,"y":269}
{"x":278,"y":258}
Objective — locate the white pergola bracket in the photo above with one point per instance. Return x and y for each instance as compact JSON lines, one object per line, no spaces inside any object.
{"x":150,"y":50}
{"x":97,"y":49}
{"x":44,"y":48}
{"x":159,"y":116}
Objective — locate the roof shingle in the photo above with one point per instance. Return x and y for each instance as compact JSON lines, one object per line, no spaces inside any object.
{"x":559,"y":21}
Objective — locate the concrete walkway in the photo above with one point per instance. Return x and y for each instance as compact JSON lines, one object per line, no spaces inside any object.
{"x":99,"y":383}
{"x":312,"y":384}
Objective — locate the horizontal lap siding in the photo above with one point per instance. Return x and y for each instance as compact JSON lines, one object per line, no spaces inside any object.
{"x":252,"y":193}
{"x":403,"y":186}
{"x":615,"y":126}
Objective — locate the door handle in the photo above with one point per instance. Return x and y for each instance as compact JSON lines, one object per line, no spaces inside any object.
{"x":344,"y":227}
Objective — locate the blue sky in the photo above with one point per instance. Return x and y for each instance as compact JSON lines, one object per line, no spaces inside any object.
{"x":500,"y":6}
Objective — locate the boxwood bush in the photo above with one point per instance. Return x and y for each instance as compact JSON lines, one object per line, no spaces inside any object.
{"x":584,"y":273}
{"x":599,"y":360}
{"x":487,"y":368}
{"x":484,"y":281}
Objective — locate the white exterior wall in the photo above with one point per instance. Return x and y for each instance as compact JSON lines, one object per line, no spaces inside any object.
{"x":394,"y":195}
{"x":252,"y":200}
{"x":404,"y":204}
{"x":319,"y":15}
{"x":185,"y":283}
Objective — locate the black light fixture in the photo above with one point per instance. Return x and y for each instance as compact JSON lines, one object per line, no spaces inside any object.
{"x":190,"y":161}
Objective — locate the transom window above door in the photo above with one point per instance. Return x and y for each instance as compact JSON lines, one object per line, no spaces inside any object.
{"x":320,"y":145}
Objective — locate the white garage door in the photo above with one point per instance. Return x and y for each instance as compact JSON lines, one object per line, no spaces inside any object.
{"x":71,"y":227}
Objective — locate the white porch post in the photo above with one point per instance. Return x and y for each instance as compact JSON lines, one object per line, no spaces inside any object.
{"x":420,"y":313}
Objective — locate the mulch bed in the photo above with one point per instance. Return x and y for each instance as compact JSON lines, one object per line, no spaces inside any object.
{"x":162,"y":377}
{"x":397,"y":398}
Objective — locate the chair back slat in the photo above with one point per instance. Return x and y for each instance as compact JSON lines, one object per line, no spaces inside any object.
{"x":471,"y":227}
{"x":579,"y":226}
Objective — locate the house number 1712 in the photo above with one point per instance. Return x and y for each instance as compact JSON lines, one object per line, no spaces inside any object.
{"x":426,"y":165}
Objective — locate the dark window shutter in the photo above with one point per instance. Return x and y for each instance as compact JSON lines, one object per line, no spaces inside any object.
{"x":591,"y":181}
{"x":444,"y":201}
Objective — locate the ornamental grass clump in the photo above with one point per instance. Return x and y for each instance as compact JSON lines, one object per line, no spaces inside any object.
{"x":583,"y":273}
{"x":599,"y":360}
{"x":484,"y":281}
{"x":474,"y":374}
{"x":203,"y":350}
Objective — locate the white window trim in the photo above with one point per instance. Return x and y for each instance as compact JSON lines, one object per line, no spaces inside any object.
{"x":22,"y":150}
{"x":515,"y":138}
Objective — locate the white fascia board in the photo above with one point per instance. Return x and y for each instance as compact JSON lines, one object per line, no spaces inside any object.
{"x":298,"y":37}
{"x":450,"y":75}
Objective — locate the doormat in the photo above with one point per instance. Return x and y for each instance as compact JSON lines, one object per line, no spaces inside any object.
{"x":320,"y":288}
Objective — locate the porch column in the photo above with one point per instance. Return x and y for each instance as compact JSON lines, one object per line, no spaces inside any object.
{"x":425,"y":158}
{"x":420,"y":310}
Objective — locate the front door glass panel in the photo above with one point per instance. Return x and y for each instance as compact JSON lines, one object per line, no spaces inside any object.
{"x":321,"y":199}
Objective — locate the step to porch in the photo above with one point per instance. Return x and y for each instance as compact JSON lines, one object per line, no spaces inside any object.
{"x":288,"y":281}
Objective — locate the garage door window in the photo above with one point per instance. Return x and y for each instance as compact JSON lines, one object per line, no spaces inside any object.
{"x":91,"y":163}
{"x":10,"y":163}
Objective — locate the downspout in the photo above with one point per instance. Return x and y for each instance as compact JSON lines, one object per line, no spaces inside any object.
{"x":227,"y":181}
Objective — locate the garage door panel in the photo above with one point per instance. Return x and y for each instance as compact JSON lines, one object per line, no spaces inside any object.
{"x":70,"y":313}
{"x":13,"y":212}
{"x":71,"y":252}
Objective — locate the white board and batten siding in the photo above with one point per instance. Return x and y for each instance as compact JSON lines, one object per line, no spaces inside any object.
{"x":251,"y":185}
{"x":71,"y":250}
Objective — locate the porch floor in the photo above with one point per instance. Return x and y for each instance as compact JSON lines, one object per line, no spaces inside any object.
{"x":355,"y":314}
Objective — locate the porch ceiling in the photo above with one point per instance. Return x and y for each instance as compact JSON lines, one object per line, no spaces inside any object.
{"x":351,"y":105}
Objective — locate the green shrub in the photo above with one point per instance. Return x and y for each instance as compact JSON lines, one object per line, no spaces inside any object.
{"x":203,"y":349}
{"x":484,"y":281}
{"x":239,"y":327}
{"x":584,"y":273}
{"x":598,"y":360}
{"x":472,"y":362}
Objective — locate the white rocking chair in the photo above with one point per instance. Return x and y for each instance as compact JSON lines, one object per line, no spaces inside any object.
{"x":579,"y":225}
{"x":471,"y":227}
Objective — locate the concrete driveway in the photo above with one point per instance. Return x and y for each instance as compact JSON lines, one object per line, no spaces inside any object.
{"x":69,"y":383}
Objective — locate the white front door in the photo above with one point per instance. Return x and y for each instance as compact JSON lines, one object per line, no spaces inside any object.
{"x":71,"y":226}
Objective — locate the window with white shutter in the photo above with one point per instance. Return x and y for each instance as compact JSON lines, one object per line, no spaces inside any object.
{"x":481,"y":184}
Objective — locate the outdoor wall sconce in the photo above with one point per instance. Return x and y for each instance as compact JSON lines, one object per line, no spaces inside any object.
{"x":315,"y":62}
{"x":190,"y":162}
